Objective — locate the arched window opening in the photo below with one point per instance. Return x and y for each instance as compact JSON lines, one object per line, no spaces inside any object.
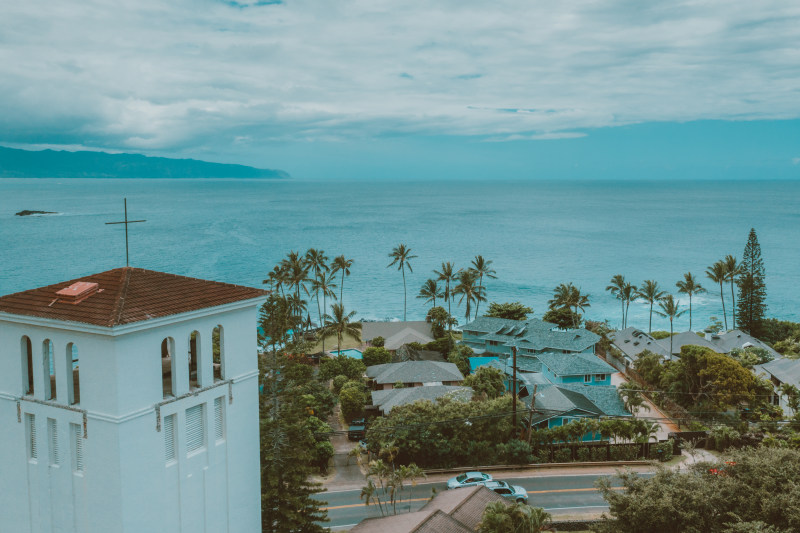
{"x":194,"y":359}
{"x":167,"y":362}
{"x":218,"y":345}
{"x":73,"y":375}
{"x":49,"y":370}
{"x":26,"y":349}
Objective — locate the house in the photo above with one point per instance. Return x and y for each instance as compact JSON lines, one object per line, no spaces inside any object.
{"x":587,"y":369}
{"x":450,"y":511}
{"x":386,"y":400}
{"x":488,"y":335}
{"x":387,"y":329}
{"x":405,"y":336}
{"x":122,"y":413}
{"x":407,"y":353}
{"x":632,"y":342}
{"x":736,"y":338}
{"x":556,"y":405}
{"x":414,"y":374}
{"x":781,"y":371}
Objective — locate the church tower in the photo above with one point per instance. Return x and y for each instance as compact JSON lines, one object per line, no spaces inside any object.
{"x":129,"y":403}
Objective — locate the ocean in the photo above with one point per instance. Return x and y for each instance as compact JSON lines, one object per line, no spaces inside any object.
{"x":537,"y":233}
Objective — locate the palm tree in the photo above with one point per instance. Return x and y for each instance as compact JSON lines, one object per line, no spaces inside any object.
{"x":317,"y":261}
{"x":670,"y":309}
{"x":339,"y":323}
{"x":276,"y":278}
{"x":447,"y":274}
{"x":500,"y":517}
{"x":732,"y":270}
{"x":689,"y":286}
{"x":717,"y":273}
{"x":468,"y":290}
{"x":401,"y":256}
{"x":483,"y":268}
{"x":343,"y":265}
{"x":630,"y":394}
{"x":629,"y":294}
{"x":650,"y":293}
{"x":296,"y":271}
{"x":325,"y":284}
{"x":615,"y":287}
{"x":430,"y":290}
{"x":569,"y":296}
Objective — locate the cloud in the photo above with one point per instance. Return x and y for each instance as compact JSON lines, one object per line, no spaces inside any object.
{"x":550,"y":136}
{"x":190,"y":74}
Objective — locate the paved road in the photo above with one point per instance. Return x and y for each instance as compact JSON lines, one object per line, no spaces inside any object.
{"x":565,"y":494}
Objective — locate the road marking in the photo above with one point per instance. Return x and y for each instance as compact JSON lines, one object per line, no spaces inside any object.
{"x":349,"y":506}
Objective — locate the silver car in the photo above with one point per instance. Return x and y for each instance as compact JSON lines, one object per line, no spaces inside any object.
{"x":468,"y":479}
{"x":512,"y":492}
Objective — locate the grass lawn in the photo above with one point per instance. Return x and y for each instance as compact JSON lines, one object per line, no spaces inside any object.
{"x":330,"y":343}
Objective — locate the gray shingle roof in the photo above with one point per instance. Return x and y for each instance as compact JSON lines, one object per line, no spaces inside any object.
{"x":686,"y":338}
{"x":575,"y":399}
{"x":406,"y":336}
{"x":532,"y":333}
{"x":632,"y":342}
{"x":574,"y":364}
{"x":736,"y":338}
{"x":414,"y":372}
{"x":370,"y":330}
{"x":785,"y":370}
{"x":406,"y":353}
{"x":386,"y":400}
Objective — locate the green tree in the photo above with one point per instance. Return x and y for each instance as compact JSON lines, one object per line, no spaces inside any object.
{"x":617,"y":287}
{"x":689,"y":286}
{"x":563,"y":317}
{"x":732,"y":272}
{"x":430,"y":290}
{"x":509,"y":310}
{"x":439,"y":318}
{"x":352,"y":400}
{"x":717,"y":273}
{"x":501,"y":517}
{"x":341,"y":365}
{"x":752,"y":287}
{"x":648,"y":365}
{"x":375,"y":355}
{"x":468,"y":290}
{"x":567,"y":296}
{"x":486,"y":381}
{"x":459,"y":355}
{"x":631,"y":395}
{"x":447,"y":274}
{"x":401,"y":256}
{"x":484,"y":268}
{"x":651,"y":293}
{"x":341,"y":264}
{"x":670,"y":309}
{"x":339,"y":323}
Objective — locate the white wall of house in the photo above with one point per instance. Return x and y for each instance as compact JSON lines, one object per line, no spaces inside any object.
{"x":126,"y":484}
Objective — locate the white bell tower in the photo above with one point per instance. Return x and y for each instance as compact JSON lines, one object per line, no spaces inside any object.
{"x":129,"y":403}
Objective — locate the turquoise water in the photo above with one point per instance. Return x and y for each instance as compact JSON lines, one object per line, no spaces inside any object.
{"x":352,"y":353}
{"x":538,"y":234}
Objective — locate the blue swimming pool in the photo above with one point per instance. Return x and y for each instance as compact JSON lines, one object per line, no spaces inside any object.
{"x":350,"y":352}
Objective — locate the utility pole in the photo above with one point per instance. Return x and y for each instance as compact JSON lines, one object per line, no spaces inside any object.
{"x":530,"y":417}
{"x":514,"y":385}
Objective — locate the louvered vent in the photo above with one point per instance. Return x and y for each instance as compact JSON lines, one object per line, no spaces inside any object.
{"x":169,"y":438}
{"x":195,"y":428}
{"x":30,"y":425}
{"x":77,"y":439}
{"x":218,"y":422}
{"x":52,"y":440}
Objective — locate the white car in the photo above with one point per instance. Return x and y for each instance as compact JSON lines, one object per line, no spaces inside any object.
{"x":468,"y":479}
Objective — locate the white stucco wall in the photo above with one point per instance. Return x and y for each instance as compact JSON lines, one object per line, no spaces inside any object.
{"x":127,"y":485}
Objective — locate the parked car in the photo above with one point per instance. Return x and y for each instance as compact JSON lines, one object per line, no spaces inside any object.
{"x":468,"y":479}
{"x":512,"y":492}
{"x":357,"y":429}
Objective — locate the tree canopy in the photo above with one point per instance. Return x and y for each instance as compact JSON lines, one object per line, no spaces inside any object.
{"x":486,"y":381}
{"x":752,"y":287}
{"x":509,"y":310}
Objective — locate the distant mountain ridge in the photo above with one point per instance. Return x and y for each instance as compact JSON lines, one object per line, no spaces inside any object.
{"x":16,"y":163}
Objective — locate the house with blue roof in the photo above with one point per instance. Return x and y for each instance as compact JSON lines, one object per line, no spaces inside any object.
{"x":489,"y":335}
{"x":581,"y":368}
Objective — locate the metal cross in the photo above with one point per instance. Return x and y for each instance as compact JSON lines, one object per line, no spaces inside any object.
{"x":126,"y":222}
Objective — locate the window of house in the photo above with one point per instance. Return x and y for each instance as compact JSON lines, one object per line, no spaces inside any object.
{"x":77,"y":447}
{"x":73,"y":375}
{"x":49,"y":370}
{"x":30,"y":430}
{"x":195,"y":428}
{"x":194,"y":360}
{"x":26,"y":350}
{"x":167,"y":365}
{"x":218,"y":348}
{"x":587,"y":378}
{"x":169,"y":438}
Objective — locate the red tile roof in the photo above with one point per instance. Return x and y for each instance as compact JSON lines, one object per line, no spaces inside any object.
{"x":127,"y":295}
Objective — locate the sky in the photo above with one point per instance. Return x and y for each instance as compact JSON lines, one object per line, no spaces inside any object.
{"x":375,"y":89}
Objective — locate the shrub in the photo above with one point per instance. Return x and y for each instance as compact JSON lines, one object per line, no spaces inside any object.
{"x":584,"y":455}
{"x":563,"y":455}
{"x":338,"y":381}
{"x":378,"y":342}
{"x":515,"y":452}
{"x":662,"y":451}
{"x":352,"y":401}
{"x":441,"y":345}
{"x":375,"y":355}
{"x":624,"y":453}
{"x":723,"y":437}
{"x":542,"y":455}
{"x":599,"y":453}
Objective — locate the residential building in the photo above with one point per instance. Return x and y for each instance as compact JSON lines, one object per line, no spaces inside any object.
{"x":422,"y":332}
{"x":780,"y":371}
{"x":586,"y":369}
{"x":487,"y":336}
{"x":413,"y":374}
{"x":736,"y":338}
{"x":556,"y":405}
{"x":632,"y":342}
{"x":122,"y":413}
{"x":386,"y":400}
{"x":407,"y":353}
{"x":450,"y":511}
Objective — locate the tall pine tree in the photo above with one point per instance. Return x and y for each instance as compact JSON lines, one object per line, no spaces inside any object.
{"x":752,"y":288}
